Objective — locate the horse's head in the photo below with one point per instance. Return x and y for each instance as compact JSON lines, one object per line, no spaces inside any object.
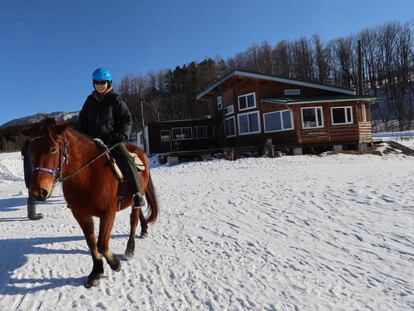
{"x":48,"y":147}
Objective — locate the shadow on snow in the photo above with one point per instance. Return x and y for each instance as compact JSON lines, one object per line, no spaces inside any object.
{"x":17,"y":203}
{"x":10,"y":204}
{"x":14,"y":255}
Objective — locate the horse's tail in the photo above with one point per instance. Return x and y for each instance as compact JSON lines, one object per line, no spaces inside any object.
{"x":151,"y":196}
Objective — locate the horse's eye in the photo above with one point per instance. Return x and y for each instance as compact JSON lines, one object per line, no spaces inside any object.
{"x":53,"y":150}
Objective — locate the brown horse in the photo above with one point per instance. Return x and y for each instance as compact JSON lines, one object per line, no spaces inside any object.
{"x":89,"y":186}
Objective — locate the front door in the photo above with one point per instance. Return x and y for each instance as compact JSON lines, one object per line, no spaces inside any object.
{"x":165,"y":141}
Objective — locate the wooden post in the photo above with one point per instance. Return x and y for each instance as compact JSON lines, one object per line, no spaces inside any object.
{"x":229,"y":154}
{"x":269,"y":149}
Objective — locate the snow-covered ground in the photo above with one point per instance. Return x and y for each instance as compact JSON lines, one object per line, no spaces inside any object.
{"x":291,"y":233}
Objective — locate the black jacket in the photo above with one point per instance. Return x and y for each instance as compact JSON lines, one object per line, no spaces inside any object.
{"x":108,"y":118}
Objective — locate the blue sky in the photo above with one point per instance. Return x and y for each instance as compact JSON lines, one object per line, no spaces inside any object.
{"x":49,"y":48}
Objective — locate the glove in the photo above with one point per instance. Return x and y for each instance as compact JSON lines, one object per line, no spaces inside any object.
{"x":100,"y":143}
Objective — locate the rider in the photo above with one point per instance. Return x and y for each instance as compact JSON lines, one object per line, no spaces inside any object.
{"x":105,"y":116}
{"x":28,"y":166}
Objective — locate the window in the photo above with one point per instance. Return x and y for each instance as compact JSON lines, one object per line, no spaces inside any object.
{"x":201,"y":132}
{"x":249,"y":123}
{"x":247,"y":101}
{"x":312,"y":117}
{"x":165,"y":136}
{"x":182,"y":133}
{"x":364,"y":113}
{"x":230,"y":127}
{"x":219,"y":102}
{"x":341,"y":115}
{"x":278,"y":121}
{"x":229,"y":110}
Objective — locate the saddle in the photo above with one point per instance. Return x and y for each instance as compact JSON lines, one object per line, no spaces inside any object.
{"x":113,"y":163}
{"x":118,"y":172}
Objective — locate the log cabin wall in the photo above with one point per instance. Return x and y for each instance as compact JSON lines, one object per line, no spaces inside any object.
{"x":364,"y":122}
{"x":358,"y":131}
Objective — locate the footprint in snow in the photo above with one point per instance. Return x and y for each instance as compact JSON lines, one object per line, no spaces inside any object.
{"x":388,"y":199}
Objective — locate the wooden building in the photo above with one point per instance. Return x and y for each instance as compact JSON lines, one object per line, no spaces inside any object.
{"x":251,"y":108}
{"x":178,"y":136}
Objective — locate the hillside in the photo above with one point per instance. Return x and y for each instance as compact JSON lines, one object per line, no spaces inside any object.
{"x":59,"y":115}
{"x":10,"y":137}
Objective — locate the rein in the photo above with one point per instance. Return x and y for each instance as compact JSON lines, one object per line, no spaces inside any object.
{"x":89,"y":163}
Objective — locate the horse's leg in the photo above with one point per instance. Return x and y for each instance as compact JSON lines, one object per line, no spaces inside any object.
{"x":86,"y":223}
{"x":130,"y":249}
{"x":105,"y":228}
{"x":144,"y":226}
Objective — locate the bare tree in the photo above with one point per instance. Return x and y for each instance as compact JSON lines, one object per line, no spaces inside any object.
{"x":281,"y":59}
{"x":302,"y":60}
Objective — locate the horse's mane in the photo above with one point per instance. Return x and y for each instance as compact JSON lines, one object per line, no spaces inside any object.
{"x":80,"y":136}
{"x":50,"y":124}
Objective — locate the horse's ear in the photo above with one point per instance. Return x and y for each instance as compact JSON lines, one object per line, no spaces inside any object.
{"x":60,"y":127}
{"x":30,"y":131}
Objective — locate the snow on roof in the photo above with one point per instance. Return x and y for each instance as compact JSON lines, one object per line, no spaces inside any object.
{"x":262,"y":76}
{"x":305,"y":100}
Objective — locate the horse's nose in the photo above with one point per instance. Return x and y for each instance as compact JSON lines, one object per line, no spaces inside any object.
{"x":43,"y":194}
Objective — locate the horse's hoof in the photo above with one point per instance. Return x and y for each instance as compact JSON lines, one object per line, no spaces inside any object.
{"x":91,"y":283}
{"x":129,"y":254}
{"x":143,"y":235}
{"x":116,"y":266}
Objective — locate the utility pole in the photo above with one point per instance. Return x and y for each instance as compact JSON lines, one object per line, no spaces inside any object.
{"x":142,"y":92}
{"x":360,"y":70}
{"x":141,"y":99}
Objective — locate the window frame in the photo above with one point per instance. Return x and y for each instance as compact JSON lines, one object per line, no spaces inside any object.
{"x":219,"y":102}
{"x":228,"y":113}
{"x":206,"y":127}
{"x":235,"y":126}
{"x":281,"y":121}
{"x":315,"y":108}
{"x":246,"y":95}
{"x":347,"y":122}
{"x":181,"y":128}
{"x":169,"y":135}
{"x":257,"y":112}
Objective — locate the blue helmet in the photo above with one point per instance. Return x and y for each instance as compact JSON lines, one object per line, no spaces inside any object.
{"x":102,"y":74}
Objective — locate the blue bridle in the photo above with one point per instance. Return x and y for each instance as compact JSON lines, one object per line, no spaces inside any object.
{"x":63,"y":159}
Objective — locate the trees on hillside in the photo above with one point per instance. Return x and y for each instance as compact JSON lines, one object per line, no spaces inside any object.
{"x":387,"y":62}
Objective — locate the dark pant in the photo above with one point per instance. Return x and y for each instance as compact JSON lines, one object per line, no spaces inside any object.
{"x":121,"y":154}
{"x":28,"y":166}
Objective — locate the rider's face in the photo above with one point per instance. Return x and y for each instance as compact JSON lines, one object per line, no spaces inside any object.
{"x":101,"y":87}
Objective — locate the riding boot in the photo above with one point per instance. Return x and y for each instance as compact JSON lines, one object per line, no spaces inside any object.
{"x":31,"y":209}
{"x":132,"y":175}
{"x":138,"y":200}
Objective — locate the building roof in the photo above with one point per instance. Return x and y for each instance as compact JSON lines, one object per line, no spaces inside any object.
{"x":257,"y":75}
{"x":304,"y":100}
